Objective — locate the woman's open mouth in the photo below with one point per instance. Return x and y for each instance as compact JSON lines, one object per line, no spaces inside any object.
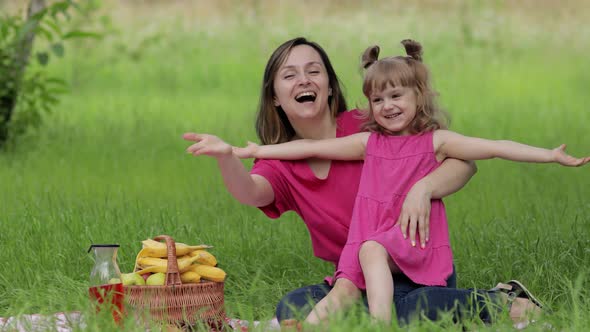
{"x":304,"y":97}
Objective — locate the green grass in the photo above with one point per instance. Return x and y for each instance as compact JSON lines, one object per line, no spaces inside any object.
{"x":109,"y":164}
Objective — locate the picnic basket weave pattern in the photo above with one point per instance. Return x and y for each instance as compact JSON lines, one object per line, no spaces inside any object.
{"x":175,"y":302}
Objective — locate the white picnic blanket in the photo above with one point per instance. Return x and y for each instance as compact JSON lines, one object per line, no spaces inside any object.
{"x":70,"y":321}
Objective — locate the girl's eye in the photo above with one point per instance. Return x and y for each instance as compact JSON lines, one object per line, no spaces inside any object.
{"x":289,"y":76}
{"x":394,"y":96}
{"x":314,"y":72}
{"x":376,"y":100}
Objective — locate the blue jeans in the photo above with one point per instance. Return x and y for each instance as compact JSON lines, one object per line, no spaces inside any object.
{"x":410,"y":299}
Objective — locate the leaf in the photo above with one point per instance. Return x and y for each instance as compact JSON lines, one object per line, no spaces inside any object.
{"x":81,"y":34}
{"x":58,"y":49}
{"x":54,"y":26}
{"x":56,"y":81}
{"x":75,"y":5}
{"x":4,"y":28}
{"x":50,"y":100}
{"x":46,"y":33}
{"x":56,"y":92}
{"x":60,"y":7}
{"x":39,"y":15}
{"x":43,"y":58}
{"x":9,"y":26}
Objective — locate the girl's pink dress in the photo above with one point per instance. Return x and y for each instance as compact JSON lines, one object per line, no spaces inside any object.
{"x":392,"y":165}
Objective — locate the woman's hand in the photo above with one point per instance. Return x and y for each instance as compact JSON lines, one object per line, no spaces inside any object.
{"x":208,"y":145}
{"x":559,"y":156}
{"x":249,"y":151}
{"x":416,"y":213}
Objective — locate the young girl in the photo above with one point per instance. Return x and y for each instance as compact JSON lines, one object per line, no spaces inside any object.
{"x":405,"y":139}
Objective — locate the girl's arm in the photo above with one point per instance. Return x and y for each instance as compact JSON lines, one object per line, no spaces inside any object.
{"x":450,"y":144}
{"x":342,"y":148}
{"x":253,"y":190}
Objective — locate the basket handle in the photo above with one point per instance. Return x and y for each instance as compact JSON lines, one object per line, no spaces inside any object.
{"x":172,"y":274}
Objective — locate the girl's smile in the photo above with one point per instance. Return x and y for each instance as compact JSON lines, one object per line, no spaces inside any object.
{"x":394,"y":109}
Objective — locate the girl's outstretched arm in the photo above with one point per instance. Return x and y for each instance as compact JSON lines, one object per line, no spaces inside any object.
{"x":450,"y":144}
{"x":350,"y":147}
{"x":248,"y":189}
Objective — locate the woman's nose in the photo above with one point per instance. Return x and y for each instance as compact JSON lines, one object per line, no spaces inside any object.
{"x":304,"y":79}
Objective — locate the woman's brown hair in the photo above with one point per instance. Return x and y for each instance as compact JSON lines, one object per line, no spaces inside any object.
{"x":403,"y":71}
{"x":272,"y":124}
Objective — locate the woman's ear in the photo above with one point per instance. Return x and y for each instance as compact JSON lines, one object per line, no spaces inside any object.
{"x":329,"y":91}
{"x":275,"y":101}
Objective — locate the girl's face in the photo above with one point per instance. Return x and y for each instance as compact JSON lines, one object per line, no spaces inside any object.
{"x":301,"y":84}
{"x":394,"y":108}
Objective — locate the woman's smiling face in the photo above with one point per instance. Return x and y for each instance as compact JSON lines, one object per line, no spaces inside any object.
{"x":301,"y":84}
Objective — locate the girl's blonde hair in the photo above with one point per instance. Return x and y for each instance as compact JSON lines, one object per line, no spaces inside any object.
{"x":402,"y":71}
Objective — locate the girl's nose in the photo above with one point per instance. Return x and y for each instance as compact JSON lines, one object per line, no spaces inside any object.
{"x":389,"y":104}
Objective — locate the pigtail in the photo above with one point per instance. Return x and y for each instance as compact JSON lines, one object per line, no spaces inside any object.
{"x":370,"y":56}
{"x":413,"y":49}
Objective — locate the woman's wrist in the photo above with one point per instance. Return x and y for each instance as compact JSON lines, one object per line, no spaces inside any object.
{"x":424,"y":186}
{"x":222,"y":157}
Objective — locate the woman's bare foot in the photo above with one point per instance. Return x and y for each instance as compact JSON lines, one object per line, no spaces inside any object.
{"x":523,"y":311}
{"x":291,"y":325}
{"x":524,"y":308}
{"x":342,"y":296}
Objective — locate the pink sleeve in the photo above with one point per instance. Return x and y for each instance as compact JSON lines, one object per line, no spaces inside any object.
{"x":273,"y":172}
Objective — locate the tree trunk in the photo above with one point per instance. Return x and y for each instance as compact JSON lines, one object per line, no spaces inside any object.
{"x":15,"y":75}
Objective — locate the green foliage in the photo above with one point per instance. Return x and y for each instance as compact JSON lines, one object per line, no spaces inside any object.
{"x":27,"y":91}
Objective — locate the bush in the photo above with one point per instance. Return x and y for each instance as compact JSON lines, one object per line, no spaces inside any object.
{"x":26,"y":90}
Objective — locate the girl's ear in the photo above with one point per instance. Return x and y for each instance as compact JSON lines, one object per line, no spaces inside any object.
{"x":329,"y":91}
{"x":275,"y":101}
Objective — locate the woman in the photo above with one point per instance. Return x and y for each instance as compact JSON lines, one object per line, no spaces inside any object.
{"x":301,"y":98}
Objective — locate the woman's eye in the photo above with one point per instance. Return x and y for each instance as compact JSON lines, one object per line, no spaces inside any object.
{"x":314,"y":72}
{"x":394,"y":96}
{"x":289,"y":76}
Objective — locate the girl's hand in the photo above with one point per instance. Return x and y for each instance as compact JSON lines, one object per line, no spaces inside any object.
{"x":207,"y":145}
{"x":559,"y":156}
{"x":416,"y":213}
{"x":246,"y":152}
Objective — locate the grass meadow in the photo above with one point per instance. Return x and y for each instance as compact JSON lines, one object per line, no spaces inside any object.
{"x":109,"y":166}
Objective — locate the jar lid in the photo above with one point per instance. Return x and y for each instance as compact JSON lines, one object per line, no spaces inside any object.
{"x":103,"y":246}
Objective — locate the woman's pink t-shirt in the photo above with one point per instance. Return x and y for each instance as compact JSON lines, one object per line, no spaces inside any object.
{"x":325,"y":205}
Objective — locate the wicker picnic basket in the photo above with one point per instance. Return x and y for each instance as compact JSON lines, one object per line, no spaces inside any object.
{"x":177,"y":303}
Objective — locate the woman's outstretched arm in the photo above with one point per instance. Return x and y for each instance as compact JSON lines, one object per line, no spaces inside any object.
{"x":248,"y":189}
